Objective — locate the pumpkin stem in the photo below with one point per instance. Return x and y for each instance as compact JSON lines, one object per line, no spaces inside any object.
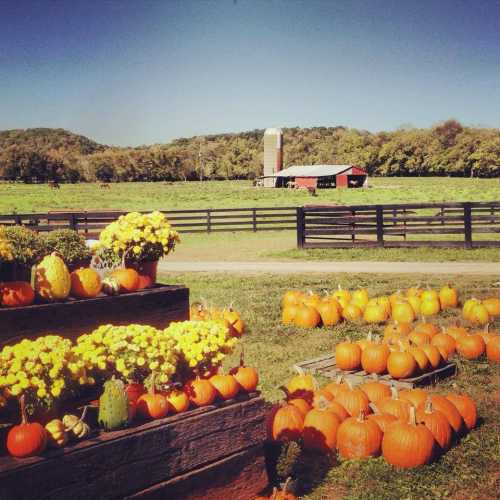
{"x":153,"y":377}
{"x":394,"y":392}
{"x":274,"y":493}
{"x":361,"y":417}
{"x":242,"y":357}
{"x":413,"y":416}
{"x":285,"y":390}
{"x":428,"y":405}
{"x":285,"y":487}
{"x":369,"y":336}
{"x":22,"y":405}
{"x":299,"y":370}
{"x":339,"y":378}
{"x":349,"y":384}
{"x":322,"y":403}
{"x":374,"y":408}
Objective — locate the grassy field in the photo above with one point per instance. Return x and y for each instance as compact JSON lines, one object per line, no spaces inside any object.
{"x":468,"y":471}
{"x":23,"y":198}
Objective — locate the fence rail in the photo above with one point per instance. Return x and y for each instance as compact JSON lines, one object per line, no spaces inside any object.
{"x":400,"y":225}
{"x":90,"y":224}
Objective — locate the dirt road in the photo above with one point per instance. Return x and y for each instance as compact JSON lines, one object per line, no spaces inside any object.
{"x":290,"y":267}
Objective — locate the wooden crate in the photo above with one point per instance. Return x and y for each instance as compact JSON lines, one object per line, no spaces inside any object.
{"x":326,"y":366}
{"x":157,"y":306}
{"x":211,"y":452}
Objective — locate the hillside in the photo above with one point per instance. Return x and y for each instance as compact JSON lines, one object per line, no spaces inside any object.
{"x":448,"y":149}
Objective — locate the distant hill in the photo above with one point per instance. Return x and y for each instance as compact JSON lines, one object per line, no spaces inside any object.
{"x":46,"y":139}
{"x":446,"y":149}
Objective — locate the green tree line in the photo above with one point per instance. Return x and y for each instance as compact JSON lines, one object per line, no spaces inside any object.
{"x":55,"y":154}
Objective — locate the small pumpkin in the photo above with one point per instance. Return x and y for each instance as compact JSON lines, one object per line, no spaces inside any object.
{"x":26,"y":439}
{"x":226,"y":385}
{"x":16,"y":294}
{"x":429,"y":307}
{"x":401,"y":364}
{"x":302,"y":384}
{"x":394,"y":405}
{"x":85,"y":283}
{"x":359,"y":437}
{"x":407,"y":444}
{"x":403,"y":312}
{"x":307,"y":317}
{"x":448,"y":297}
{"x":246,"y":376}
{"x":448,"y":409}
{"x":415,"y":396}
{"x":152,"y":405}
{"x":375,"y":390}
{"x":348,"y":355}
{"x":492,"y":305}
{"x":201,"y":392}
{"x":374,"y":358}
{"x":383,"y":420}
{"x":127,"y":278}
{"x":445,"y":341}
{"x":433,"y":355}
{"x":56,"y":433}
{"x":429,"y":328}
{"x":328,"y":312}
{"x":336,"y":386}
{"x":493,"y":350}
{"x":353,"y":400}
{"x":237,"y":326}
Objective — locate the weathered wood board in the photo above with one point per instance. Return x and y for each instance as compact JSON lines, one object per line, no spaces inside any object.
{"x":175,"y":457}
{"x":156,"y":306}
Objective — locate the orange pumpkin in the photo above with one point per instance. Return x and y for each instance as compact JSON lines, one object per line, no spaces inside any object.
{"x":374,"y":358}
{"x":321,"y":395}
{"x":306,"y":317}
{"x":287,"y":423}
{"x":471,"y":346}
{"x":401,"y":364}
{"x":448,"y":409}
{"x":383,"y":420}
{"x":394,"y":405}
{"x":237,"y":326}
{"x":407,"y":444}
{"x":419,"y":338}
{"x":338,"y":409}
{"x":395,"y":331}
{"x":429,"y":307}
{"x":437,"y":423}
{"x":433,"y":355}
{"x":375,"y":390}
{"x":466,"y":407}
{"x":445,"y":341}
{"x":178,"y":401}
{"x":348,"y":355}
{"x":352,"y":312}
{"x":85,"y":283}
{"x":247,"y":377}
{"x":16,"y":294}
{"x":415,"y":396}
{"x":353,"y":400}
{"x":403,"y":312}
{"x":329,"y":313}
{"x":302,"y":385}
{"x":455,"y":331}
{"x":145,"y":281}
{"x":152,"y":405}
{"x":226,"y":385}
{"x":358,"y":437}
{"x":420,"y":358}
{"x":288,"y":314}
{"x":336,"y":386}
{"x":292,"y":297}
{"x":493,"y":350}
{"x":301,"y":404}
{"x":492,"y":306}
{"x":320,"y":430}
{"x":200,"y":391}
{"x":429,"y":328}
{"x":127,"y":278}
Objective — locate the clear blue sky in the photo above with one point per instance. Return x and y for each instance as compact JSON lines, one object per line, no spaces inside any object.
{"x":139,"y":71}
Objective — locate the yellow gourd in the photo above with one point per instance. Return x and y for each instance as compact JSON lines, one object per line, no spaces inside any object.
{"x":56,"y":433}
{"x":52,"y":278}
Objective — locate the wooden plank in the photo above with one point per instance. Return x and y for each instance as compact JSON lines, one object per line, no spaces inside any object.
{"x":240,"y":476}
{"x":156,"y":306}
{"x":121,"y":463}
{"x":300,"y":227}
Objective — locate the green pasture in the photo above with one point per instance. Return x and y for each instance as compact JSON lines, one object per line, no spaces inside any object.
{"x":29,"y":198}
{"x":468,"y":471}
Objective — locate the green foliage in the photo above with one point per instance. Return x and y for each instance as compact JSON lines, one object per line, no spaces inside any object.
{"x":288,"y":459}
{"x":28,"y":246}
{"x":447,"y":149}
{"x":68,"y":243}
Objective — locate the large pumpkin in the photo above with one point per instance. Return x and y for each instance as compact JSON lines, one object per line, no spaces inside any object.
{"x":306,"y":316}
{"x":394,"y":405}
{"x":445,"y":341}
{"x":471,"y":346}
{"x":401,"y":364}
{"x":354,"y":400}
{"x":226,"y":385}
{"x":492,"y":306}
{"x":466,"y":407}
{"x":85,"y":283}
{"x":374,"y":358}
{"x":302,"y":384}
{"x":52,"y":278}
{"x":448,"y":297}
{"x":328,"y":312}
{"x":358,"y":437}
{"x":375,"y":390}
{"x":348,"y":355}
{"x":407,"y":444}
{"x":437,"y":423}
{"x":493,"y":350}
{"x":16,"y":294}
{"x":201,"y":392}
{"x":320,"y":430}
{"x":448,"y":408}
{"x":403,"y":312}
{"x":287,"y":423}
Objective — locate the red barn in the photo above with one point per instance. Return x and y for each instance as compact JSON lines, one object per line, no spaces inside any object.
{"x":322,"y":176}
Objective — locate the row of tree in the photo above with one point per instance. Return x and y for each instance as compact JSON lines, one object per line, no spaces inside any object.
{"x":55,"y":154}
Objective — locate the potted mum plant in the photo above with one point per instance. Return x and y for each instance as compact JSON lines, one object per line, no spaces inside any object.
{"x":138,"y":241}
{"x":26,"y":247}
{"x":70,"y":245}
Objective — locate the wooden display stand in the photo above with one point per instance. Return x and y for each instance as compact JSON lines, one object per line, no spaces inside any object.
{"x":208,"y":453}
{"x":157,"y":306}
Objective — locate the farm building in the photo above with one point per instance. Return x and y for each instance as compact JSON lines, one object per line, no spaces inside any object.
{"x":322,"y":176}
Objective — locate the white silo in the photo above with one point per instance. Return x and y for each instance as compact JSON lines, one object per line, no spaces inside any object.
{"x":273,"y":155}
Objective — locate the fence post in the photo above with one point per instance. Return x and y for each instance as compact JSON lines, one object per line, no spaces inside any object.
{"x":467,"y":225}
{"x":380,"y":225}
{"x":300,"y":227}
{"x":254,"y":219}
{"x":209,"y":222}
{"x":72,"y":222}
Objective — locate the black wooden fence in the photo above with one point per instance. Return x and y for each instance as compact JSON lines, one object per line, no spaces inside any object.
{"x":467,"y":225}
{"x":90,"y":224}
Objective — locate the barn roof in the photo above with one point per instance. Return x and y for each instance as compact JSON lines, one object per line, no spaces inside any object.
{"x":316,"y":170}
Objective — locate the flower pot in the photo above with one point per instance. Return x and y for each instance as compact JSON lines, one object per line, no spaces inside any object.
{"x":147,"y":268}
{"x":14,"y":271}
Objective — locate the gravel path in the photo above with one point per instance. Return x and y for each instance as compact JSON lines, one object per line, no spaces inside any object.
{"x":290,"y":267}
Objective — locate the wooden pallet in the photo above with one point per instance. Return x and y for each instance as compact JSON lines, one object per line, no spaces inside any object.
{"x":326,"y":366}
{"x":212,"y":452}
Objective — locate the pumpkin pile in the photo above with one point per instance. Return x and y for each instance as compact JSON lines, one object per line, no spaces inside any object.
{"x":408,"y":428}
{"x":309,"y":310}
{"x":199,"y":311}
